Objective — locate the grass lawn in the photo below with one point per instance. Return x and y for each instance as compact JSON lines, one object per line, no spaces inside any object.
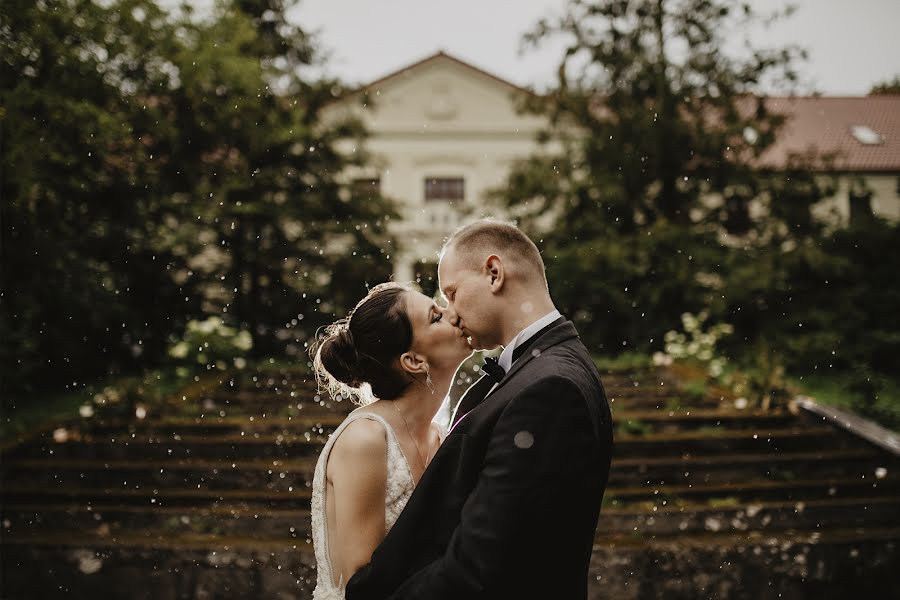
{"x":835,"y":389}
{"x":34,"y":411}
{"x":29,"y":412}
{"x":838,"y":391}
{"x":39,"y":411}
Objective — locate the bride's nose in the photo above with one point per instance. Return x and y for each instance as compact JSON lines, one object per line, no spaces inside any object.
{"x":451,"y":316}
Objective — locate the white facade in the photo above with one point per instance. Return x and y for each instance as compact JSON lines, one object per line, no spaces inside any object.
{"x":443,"y":119}
{"x":440,"y":119}
{"x":885,"y":201}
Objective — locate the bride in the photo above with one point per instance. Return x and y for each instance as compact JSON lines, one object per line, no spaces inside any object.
{"x":397,"y":353}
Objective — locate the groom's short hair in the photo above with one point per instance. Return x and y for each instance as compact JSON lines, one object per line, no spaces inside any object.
{"x":473,"y":242}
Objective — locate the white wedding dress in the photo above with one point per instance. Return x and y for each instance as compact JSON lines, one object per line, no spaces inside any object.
{"x":400,"y":485}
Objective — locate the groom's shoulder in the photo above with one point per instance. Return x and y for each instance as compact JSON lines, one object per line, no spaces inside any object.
{"x":569,"y":355}
{"x":568,"y":361}
{"x":559,"y":365}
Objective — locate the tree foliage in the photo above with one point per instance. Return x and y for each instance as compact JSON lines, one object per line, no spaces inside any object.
{"x":650,"y":197}
{"x":888,"y":86}
{"x":160,"y":166}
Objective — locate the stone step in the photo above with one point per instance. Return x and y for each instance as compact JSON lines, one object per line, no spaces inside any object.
{"x":143,"y":446}
{"x":262,"y":397}
{"x":236,"y":520}
{"x":212,"y":566}
{"x":151,"y":539}
{"x":812,"y":535}
{"x":284,"y":407}
{"x":23,"y":494}
{"x":216,"y":425}
{"x":305,"y":383}
{"x":721,"y":440}
{"x":239,"y":403}
{"x":666,"y":403}
{"x":148,"y":567}
{"x":671,"y":421}
{"x":804,"y":563}
{"x":231,"y":446}
{"x":873,"y":511}
{"x":650,"y":496}
{"x":298,"y":495}
{"x":636,"y":379}
{"x":725,"y":468}
{"x":642,"y":390}
{"x":232,"y":519}
{"x":281,"y":474}
{"x":627,"y":421}
{"x":188,"y":473}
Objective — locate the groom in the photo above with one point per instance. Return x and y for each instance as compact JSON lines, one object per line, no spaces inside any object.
{"x":508,"y":506}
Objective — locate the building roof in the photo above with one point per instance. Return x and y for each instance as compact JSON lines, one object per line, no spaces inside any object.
{"x":862,"y":133}
{"x":857,"y":133}
{"x":437,"y":56}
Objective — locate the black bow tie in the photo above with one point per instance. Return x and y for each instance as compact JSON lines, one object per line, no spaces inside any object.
{"x":493,"y":369}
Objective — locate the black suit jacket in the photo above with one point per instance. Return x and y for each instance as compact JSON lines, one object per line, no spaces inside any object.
{"x":509,"y":505}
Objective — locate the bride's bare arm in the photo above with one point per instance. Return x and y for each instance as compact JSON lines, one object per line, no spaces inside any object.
{"x":358,"y":469}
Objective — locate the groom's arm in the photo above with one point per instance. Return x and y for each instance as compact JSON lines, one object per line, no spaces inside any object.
{"x":537,"y":451}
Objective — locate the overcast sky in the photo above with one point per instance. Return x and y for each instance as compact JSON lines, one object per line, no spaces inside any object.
{"x":852,"y":43}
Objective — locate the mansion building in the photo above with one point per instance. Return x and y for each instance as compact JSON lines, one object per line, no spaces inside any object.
{"x":443,"y":133}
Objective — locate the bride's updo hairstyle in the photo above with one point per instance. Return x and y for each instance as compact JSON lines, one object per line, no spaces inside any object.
{"x":357,"y":356}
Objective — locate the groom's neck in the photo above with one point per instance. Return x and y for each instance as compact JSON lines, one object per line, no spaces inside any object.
{"x":524,"y":309}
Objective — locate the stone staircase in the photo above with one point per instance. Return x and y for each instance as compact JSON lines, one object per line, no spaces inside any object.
{"x":208,"y":497}
{"x":706,"y":501}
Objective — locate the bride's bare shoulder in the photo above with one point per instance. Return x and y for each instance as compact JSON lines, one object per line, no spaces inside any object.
{"x":362,"y":444}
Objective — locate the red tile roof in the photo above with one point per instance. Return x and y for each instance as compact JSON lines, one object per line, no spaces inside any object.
{"x":823,"y":125}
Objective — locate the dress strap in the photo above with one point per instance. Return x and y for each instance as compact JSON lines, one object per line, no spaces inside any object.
{"x":322,"y":466}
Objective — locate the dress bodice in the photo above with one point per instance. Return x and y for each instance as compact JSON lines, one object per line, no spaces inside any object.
{"x":400,"y":485}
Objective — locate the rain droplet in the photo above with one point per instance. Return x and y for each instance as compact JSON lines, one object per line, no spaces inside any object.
{"x":523,"y":440}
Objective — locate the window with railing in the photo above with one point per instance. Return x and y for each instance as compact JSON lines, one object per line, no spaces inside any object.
{"x":445,"y":189}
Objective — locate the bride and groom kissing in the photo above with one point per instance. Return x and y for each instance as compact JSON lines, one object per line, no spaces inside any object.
{"x":505,"y":503}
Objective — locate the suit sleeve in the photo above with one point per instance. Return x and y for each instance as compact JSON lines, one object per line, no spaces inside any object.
{"x":534,"y":458}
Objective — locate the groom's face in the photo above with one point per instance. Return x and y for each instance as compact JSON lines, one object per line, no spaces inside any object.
{"x":469,"y":300}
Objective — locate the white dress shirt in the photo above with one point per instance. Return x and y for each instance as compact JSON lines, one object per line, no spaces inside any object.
{"x":506,"y":357}
{"x":444,"y":413}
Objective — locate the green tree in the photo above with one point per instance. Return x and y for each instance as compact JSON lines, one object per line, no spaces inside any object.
{"x":888,"y":86}
{"x":287,"y":240}
{"x":650,"y":115}
{"x":85,"y":288}
{"x":160,"y":166}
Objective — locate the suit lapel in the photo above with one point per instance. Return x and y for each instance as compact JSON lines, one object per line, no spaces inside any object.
{"x":555,"y":334}
{"x":471,"y":398}
{"x":558,"y":334}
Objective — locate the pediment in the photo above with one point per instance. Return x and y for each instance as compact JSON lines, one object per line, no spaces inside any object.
{"x":440,"y":94}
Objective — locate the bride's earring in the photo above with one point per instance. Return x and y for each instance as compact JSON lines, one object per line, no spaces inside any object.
{"x":428,"y":381}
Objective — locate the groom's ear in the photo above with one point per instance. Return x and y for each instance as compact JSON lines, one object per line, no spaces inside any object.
{"x":413,"y":363}
{"x":494,"y":269}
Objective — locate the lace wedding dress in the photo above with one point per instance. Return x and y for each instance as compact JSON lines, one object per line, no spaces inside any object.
{"x":400,"y":486}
